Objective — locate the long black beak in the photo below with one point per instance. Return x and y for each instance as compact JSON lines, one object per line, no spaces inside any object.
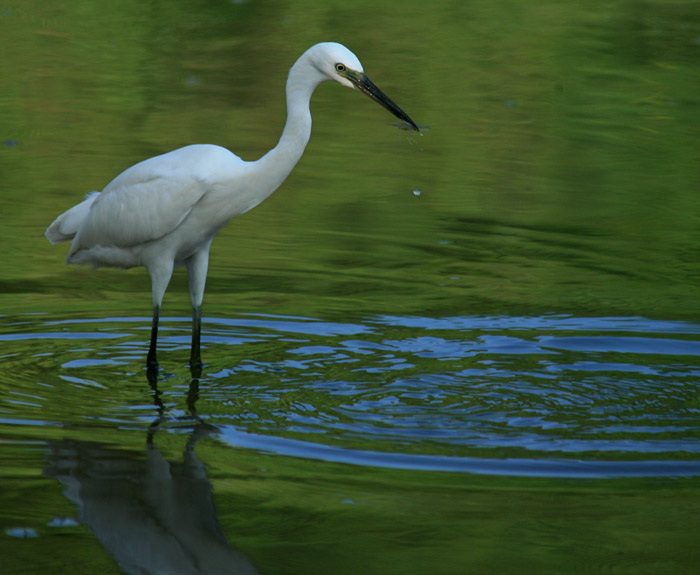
{"x":364,"y":84}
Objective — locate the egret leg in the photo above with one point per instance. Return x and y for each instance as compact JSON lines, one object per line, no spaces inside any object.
{"x":197,"y":265}
{"x":151,"y":361}
{"x":160,"y":278}
{"x":195,"y":355}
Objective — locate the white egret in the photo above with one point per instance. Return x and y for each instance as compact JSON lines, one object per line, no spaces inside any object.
{"x":164,"y":212}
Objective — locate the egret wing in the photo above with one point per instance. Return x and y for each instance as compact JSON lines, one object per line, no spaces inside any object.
{"x":150,"y":199}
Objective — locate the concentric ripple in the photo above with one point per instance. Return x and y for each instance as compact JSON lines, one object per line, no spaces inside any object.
{"x":623,"y":391}
{"x":548,"y":395}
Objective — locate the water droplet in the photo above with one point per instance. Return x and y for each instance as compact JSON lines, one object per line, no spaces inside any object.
{"x":63,"y":522}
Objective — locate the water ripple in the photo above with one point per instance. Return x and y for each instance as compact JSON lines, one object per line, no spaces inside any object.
{"x":599,"y":395}
{"x":507,"y":466}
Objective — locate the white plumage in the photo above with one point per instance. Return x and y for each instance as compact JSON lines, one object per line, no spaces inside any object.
{"x":167,"y":204}
{"x":164,"y":212}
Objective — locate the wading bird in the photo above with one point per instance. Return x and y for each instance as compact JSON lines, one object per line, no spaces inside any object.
{"x":164,"y":212}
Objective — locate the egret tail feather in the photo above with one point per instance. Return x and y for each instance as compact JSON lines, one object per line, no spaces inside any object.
{"x":65,"y":226}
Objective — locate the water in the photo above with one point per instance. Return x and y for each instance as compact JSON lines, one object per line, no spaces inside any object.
{"x":464,"y":424}
{"x":555,"y":396}
{"x":471,"y":350}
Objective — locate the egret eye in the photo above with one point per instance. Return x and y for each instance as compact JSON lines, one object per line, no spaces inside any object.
{"x":340,"y":67}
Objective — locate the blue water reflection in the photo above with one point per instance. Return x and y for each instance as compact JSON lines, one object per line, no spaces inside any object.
{"x":511,"y":466}
{"x":570,"y":396}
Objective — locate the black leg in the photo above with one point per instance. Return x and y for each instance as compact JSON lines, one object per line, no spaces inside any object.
{"x":197,"y":270}
{"x":195,"y":357}
{"x":151,"y":361}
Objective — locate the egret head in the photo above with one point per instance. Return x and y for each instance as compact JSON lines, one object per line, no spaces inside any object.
{"x":338,"y":63}
{"x":333,"y":60}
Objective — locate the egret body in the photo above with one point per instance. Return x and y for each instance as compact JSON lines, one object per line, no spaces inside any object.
{"x":164,"y":212}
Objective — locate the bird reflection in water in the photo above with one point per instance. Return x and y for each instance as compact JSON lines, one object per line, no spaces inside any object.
{"x":152,"y":515}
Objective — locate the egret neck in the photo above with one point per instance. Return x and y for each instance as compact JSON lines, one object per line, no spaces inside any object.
{"x":276,"y":165}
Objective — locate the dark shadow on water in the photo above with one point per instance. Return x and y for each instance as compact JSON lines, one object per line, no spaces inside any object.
{"x":150,"y":514}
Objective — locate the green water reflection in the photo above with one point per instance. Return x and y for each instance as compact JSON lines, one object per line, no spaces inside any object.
{"x":560,"y":175}
{"x":384,"y":521}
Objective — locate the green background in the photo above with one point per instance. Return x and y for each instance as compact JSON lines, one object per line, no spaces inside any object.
{"x":560,"y":175}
